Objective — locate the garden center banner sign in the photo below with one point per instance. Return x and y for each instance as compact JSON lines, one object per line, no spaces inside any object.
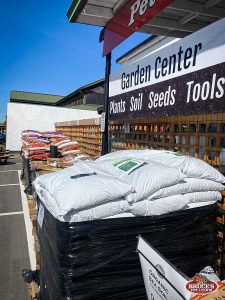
{"x":185,"y":78}
{"x":129,"y":19}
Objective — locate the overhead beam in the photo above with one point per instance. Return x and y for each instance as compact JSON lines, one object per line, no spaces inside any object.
{"x":119,"y":5}
{"x":174,"y":25}
{"x":187,"y":18}
{"x":149,"y":29}
{"x":211,"y":3}
{"x":98,"y":11}
{"x":92,"y":20}
{"x":193,"y":7}
{"x":75,"y":9}
{"x":103,"y":3}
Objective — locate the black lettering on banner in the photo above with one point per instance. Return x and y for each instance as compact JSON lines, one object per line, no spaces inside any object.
{"x":139,"y":76}
{"x":200,"y":92}
{"x":163,"y":66}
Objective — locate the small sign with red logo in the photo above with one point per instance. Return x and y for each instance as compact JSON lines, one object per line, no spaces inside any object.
{"x":219,"y":294}
{"x":201,"y":285}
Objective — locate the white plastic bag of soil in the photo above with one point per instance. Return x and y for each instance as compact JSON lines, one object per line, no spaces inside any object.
{"x":190,"y":166}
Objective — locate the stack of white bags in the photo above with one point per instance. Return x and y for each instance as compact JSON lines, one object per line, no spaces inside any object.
{"x":129,"y":183}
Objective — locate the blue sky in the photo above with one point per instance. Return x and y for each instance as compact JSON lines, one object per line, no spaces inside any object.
{"x":40,"y":51}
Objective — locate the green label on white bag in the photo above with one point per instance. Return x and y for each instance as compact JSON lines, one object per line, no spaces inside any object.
{"x":128,"y":165}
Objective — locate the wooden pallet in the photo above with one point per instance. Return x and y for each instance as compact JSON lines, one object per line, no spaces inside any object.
{"x":33,"y":218}
{"x":32,"y":207}
{"x":33,"y":291}
{"x":4,"y":158}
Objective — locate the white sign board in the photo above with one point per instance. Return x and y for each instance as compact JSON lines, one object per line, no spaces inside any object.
{"x":184,"y":78}
{"x":103,"y":122}
{"x":162,"y":280}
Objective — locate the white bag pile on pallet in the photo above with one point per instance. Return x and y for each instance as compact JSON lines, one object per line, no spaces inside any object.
{"x":190,"y":166}
{"x":80,"y":193}
{"x":202,"y":185}
{"x":126,"y":183}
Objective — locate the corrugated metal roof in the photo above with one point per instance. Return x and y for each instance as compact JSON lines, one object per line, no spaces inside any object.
{"x":86,"y":89}
{"x":34,"y":98}
{"x":179,"y":19}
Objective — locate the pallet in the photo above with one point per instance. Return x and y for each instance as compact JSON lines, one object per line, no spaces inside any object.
{"x":4,"y":159}
{"x":33,"y":291}
{"x":32,"y":207}
{"x":33,"y":218}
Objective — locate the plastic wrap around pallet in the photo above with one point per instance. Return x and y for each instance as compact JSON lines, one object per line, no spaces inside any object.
{"x":98,"y":259}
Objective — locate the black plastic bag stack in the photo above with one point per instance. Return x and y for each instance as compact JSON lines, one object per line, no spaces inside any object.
{"x":98,"y":259}
{"x":26,"y":175}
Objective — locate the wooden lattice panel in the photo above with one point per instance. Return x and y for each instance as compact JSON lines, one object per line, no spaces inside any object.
{"x":198,"y":136}
{"x":86,"y":132}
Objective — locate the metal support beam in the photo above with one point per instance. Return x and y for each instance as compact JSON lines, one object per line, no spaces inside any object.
{"x":98,"y":11}
{"x":193,"y":7}
{"x":187,"y":18}
{"x":105,"y":139}
{"x":119,"y":5}
{"x":173,"y":25}
{"x":161,"y":31}
{"x":211,"y":3}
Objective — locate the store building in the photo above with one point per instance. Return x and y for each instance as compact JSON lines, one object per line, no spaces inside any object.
{"x":87,"y":97}
{"x":152,"y":44}
{"x":41,"y":111}
{"x":34,"y":98}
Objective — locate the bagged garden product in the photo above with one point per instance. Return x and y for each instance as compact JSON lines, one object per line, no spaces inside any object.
{"x":60,"y":141}
{"x":200,"y":204}
{"x":78,"y":188}
{"x":26,"y":133}
{"x":190,"y":166}
{"x":173,"y":203}
{"x":36,"y":146}
{"x":123,"y":215}
{"x":102,"y":211}
{"x":203,"y":196}
{"x":145,"y":177}
{"x":66,"y":144}
{"x":137,"y":154}
{"x":188,"y":185}
{"x":53,"y":134}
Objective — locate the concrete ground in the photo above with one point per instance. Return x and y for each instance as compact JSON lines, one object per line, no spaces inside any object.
{"x":14,"y":256}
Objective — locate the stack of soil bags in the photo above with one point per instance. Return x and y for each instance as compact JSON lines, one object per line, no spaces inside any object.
{"x":131,"y":183}
{"x":36,"y":144}
{"x":66,"y":146}
{"x":150,"y":176}
{"x":89,"y":216}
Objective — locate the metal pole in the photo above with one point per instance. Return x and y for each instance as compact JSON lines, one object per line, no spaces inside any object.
{"x":105,"y":140}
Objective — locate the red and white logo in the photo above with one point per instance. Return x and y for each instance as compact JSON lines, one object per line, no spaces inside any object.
{"x":201,"y":285}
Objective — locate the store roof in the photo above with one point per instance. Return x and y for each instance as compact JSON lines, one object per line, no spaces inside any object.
{"x":179,"y":19}
{"x":139,"y":47}
{"x":91,"y":88}
{"x":34,"y":98}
